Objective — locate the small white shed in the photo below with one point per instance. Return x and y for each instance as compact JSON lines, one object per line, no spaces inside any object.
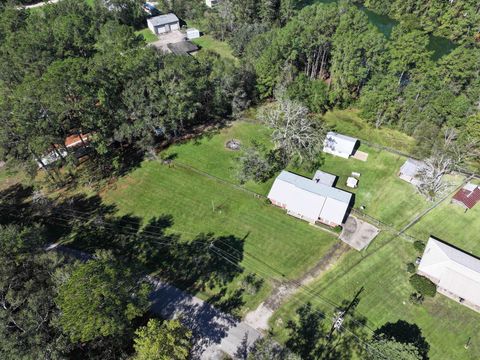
{"x":193,"y":33}
{"x":352,"y":182}
{"x":163,"y":24}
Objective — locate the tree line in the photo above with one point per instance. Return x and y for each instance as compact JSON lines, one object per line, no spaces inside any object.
{"x":75,"y":69}
{"x":330,"y":55}
{"x":456,"y":20}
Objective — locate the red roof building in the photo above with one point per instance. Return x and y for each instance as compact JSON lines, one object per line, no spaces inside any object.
{"x":467,"y":196}
{"x":75,"y":140}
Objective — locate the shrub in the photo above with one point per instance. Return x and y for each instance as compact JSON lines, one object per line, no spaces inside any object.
{"x":423,"y":285}
{"x":416,"y":298}
{"x":252,"y":283}
{"x":419,"y":245}
{"x":411,"y":268}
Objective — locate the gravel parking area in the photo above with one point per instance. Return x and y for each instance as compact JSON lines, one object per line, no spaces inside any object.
{"x":169,"y":38}
{"x":358,"y":233}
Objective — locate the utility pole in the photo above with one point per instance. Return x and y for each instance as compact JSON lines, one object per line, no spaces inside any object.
{"x":340,"y":317}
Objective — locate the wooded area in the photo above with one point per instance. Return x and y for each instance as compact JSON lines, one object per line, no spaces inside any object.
{"x":84,"y":99}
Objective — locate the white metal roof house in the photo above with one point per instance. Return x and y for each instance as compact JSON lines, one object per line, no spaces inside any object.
{"x":410,"y":170}
{"x":456,"y":273}
{"x":163,"y":23}
{"x":310,"y":200}
{"x":339,"y":145}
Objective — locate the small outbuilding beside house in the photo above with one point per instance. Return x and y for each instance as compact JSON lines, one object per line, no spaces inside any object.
{"x":410,"y":170}
{"x":193,"y":33}
{"x":352,"y":182}
{"x":340,"y":145}
{"x":163,"y":24}
{"x":77,"y":141}
{"x":467,"y":196}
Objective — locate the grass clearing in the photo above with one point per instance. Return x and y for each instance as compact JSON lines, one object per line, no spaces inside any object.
{"x":385,"y":196}
{"x":210,"y":155}
{"x":445,"y":324}
{"x":222,"y":48}
{"x":201,"y":204}
{"x":10,"y":176}
{"x":349,"y":122}
{"x":450,"y":223}
{"x":147,"y":35}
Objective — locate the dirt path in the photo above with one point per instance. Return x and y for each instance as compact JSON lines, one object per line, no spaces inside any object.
{"x":258,"y":318}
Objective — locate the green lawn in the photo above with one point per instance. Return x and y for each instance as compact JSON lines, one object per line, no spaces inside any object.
{"x":220,"y":47}
{"x":385,"y":196}
{"x":445,"y":324}
{"x":9,"y":177}
{"x":147,"y":35}
{"x":348,"y":122}
{"x":201,"y":204}
{"x":210,"y":155}
{"x":450,"y":223}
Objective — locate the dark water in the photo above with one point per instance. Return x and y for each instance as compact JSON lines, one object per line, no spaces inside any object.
{"x":439,"y":45}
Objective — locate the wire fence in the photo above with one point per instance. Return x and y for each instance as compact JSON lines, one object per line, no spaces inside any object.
{"x":458,"y":169}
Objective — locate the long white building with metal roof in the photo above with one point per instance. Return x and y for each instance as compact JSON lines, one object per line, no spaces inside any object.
{"x":311,"y":200}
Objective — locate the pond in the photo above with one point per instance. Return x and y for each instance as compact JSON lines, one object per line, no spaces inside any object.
{"x":439,"y":45}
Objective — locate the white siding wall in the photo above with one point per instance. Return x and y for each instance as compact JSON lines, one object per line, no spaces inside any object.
{"x":151,"y":27}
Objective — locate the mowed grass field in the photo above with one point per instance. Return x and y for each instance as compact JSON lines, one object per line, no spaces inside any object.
{"x":384,"y":195}
{"x":284,"y":247}
{"x":450,"y":223}
{"x":445,"y":324}
{"x":210,"y":155}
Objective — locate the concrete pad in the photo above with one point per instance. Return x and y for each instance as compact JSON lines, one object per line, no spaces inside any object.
{"x":358,"y":233}
{"x":168,"y":38}
{"x":360,"y":155}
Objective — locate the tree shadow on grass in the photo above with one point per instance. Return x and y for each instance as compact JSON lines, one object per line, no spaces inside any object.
{"x":405,"y":333}
{"x":206,"y":261}
{"x":14,"y":207}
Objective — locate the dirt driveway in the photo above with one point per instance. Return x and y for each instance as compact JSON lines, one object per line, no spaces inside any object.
{"x":169,"y":38}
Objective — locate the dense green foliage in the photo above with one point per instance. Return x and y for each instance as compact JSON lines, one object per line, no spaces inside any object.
{"x":100,"y":298}
{"x":27,"y":291}
{"x":332,"y":55}
{"x":457,"y":20}
{"x":380,"y":349}
{"x":169,"y":340}
{"x":267,"y":348}
{"x":75,"y":69}
{"x":423,"y":285}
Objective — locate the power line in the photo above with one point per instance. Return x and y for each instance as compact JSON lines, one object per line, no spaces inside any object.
{"x":232,"y":259}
